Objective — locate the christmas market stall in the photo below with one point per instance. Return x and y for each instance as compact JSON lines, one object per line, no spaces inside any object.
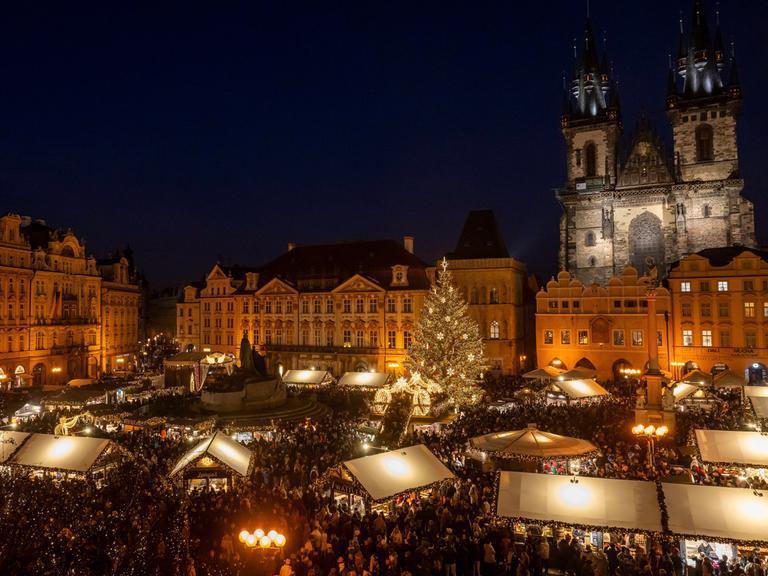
{"x":308,"y":378}
{"x":66,"y":457}
{"x":741,"y":455}
{"x":215,"y":462}
{"x":593,"y":510}
{"x":545,"y":373}
{"x":758,"y":396}
{"x":363,"y":380}
{"x":530,"y":449}
{"x":566,"y":390}
{"x":698,"y":377}
{"x":727,"y":379}
{"x":10,"y":442}
{"x":716,"y":519}
{"x":380,"y":481}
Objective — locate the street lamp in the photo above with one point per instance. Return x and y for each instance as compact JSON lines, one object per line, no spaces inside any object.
{"x":630,"y":374}
{"x":269,"y":544}
{"x":650,"y":433}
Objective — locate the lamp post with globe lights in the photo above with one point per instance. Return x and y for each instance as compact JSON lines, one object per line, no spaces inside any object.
{"x":268,"y":545}
{"x":650,"y":433}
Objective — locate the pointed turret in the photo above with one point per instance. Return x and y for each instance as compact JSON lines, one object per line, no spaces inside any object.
{"x":734,"y":87}
{"x":700,"y":59}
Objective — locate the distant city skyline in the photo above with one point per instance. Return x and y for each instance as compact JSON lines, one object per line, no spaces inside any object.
{"x":218,"y":134}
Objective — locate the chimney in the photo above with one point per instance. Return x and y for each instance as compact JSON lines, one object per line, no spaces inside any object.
{"x":291,"y":246}
{"x":408,"y":243}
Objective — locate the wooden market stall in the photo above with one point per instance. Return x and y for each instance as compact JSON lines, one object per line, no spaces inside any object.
{"x":310,"y":378}
{"x":216,"y":462}
{"x":364,"y":380}
{"x":566,"y":390}
{"x":733,"y":447}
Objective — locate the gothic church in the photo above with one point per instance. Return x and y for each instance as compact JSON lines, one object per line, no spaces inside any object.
{"x":647,"y":208}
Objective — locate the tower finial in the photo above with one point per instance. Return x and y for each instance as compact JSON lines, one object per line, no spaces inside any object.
{"x":680,"y":20}
{"x":574,"y":48}
{"x":733,"y":49}
{"x":564,"y":84}
{"x":669,"y":60}
{"x":717,"y":13}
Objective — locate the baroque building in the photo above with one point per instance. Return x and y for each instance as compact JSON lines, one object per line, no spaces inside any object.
{"x":639,"y":205}
{"x":52,"y":301}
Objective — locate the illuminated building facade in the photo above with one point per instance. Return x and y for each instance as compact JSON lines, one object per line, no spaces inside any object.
{"x":51,"y":297}
{"x":720,"y":314}
{"x":602,"y":328}
{"x":120,"y":305}
{"x":641,"y":206}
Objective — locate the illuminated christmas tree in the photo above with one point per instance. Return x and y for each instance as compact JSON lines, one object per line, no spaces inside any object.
{"x":447,"y":347}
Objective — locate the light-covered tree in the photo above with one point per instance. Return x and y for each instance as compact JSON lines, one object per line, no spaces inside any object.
{"x":447,"y":347}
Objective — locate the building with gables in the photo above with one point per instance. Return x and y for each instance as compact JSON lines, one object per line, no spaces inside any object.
{"x":641,"y":205}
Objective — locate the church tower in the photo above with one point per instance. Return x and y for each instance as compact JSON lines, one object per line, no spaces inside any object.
{"x":591,"y":126}
{"x":632,"y":203}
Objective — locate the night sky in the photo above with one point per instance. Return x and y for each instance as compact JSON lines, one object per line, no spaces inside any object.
{"x":200,"y":133}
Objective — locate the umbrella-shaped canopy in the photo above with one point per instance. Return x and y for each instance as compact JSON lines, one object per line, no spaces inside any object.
{"x":531,"y":441}
{"x":728,"y":379}
{"x":698,"y":377}
{"x":546,"y":373}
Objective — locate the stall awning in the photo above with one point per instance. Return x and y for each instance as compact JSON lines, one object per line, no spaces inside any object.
{"x":579,"y":374}
{"x":228,"y":452}
{"x":545,"y":373}
{"x":390,"y":473}
{"x":581,"y":388}
{"x":363,"y":379}
{"x":728,"y":379}
{"x":307,"y":377}
{"x":70,"y":453}
{"x":698,"y":377}
{"x":748,"y":448}
{"x":10,"y":442}
{"x":760,"y":406}
{"x":756,"y":391}
{"x":682,"y":390}
{"x":592,"y":502}
{"x":531,"y":442}
{"x":716,"y":512}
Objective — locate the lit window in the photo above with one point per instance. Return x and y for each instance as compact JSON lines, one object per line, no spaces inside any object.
{"x":565,"y":336}
{"x":359,"y":306}
{"x":407,"y":305}
{"x":749,"y":309}
{"x":685,"y":286}
{"x":317,"y":306}
{"x":373,"y":305}
{"x":347,"y":337}
{"x":346,"y":306}
{"x":722,"y":286}
{"x":687,"y":337}
{"x":391,"y":339}
{"x":706,"y":337}
{"x":406,"y":339}
{"x":583,"y":337}
{"x":494,"y":330}
{"x":637,"y":337}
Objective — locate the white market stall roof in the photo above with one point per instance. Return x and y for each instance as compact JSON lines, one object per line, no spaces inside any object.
{"x":716,"y":512}
{"x":748,"y":448}
{"x":10,"y":442}
{"x":70,"y":453}
{"x":682,"y":390}
{"x":592,"y":502}
{"x":531,"y":442}
{"x":727,"y":379}
{"x":581,"y":388}
{"x":698,"y":377}
{"x":364,"y":379}
{"x":578,"y":374}
{"x":221,"y":447}
{"x":307,"y":377}
{"x":387,"y":474}
{"x":545,"y":373}
{"x":758,"y":396}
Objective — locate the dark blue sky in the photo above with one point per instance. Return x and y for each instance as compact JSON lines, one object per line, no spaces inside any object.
{"x":197,"y":132}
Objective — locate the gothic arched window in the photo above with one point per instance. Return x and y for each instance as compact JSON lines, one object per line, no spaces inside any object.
{"x":493,"y":296}
{"x":473,"y":296}
{"x":494,"y":330}
{"x":590,"y":239}
{"x":704,"y":149}
{"x":590,"y":154}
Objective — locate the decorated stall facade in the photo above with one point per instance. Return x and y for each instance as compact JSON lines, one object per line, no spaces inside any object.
{"x":216,"y":462}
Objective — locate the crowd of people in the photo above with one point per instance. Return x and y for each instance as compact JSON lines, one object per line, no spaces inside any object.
{"x":140,"y":522}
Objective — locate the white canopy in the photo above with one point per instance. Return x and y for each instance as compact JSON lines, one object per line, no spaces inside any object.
{"x":579,"y":373}
{"x":727,"y":379}
{"x":364,"y":379}
{"x":581,"y":388}
{"x":749,"y":448}
{"x":10,"y":442}
{"x":227,"y":451}
{"x":698,"y":377}
{"x":389,"y":473}
{"x":756,"y":391}
{"x":758,"y":396}
{"x":682,"y":390}
{"x":307,"y":377}
{"x":531,"y":442}
{"x":629,"y":504}
{"x":71,"y":453}
{"x":717,"y":512}
{"x":545,"y":373}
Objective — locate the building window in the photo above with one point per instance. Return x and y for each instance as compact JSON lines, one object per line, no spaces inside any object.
{"x":268,"y":307}
{"x":317,"y":306}
{"x":245,"y":306}
{"x":406,"y":339}
{"x":704,"y":148}
{"x":305,"y":337}
{"x":181,"y":313}
{"x":765,"y":309}
{"x":706,"y":310}
{"x":391,"y":339}
{"x":706,"y":338}
{"x":618,"y":337}
{"x":373,"y":338}
{"x":583,"y":337}
{"x":549,"y":337}
{"x":687,"y":337}
{"x":346,"y":306}
{"x":553,"y":304}
{"x":329,"y":337}
{"x":565,"y":337}
{"x":637,"y":337}
{"x":391,"y":306}
{"x":589,"y":240}
{"x":39,"y":343}
{"x":359,"y":306}
{"x":289,"y":307}
{"x":750,"y":339}
{"x":685,"y":286}
{"x":493,"y":296}
{"x":329,"y":306}
{"x":578,"y":157}
{"x":347,"y":337}
{"x":359,"y":340}
{"x":373,"y":305}
{"x":268,"y":336}
{"x":749,"y":309}
{"x":407,"y":305}
{"x":305,"y":306}
{"x":706,"y":211}
{"x":590,"y":154}
{"x":685,"y":309}
{"x":494,"y":331}
{"x":722,"y":285}
{"x":704,"y":286}
{"x":723,"y":309}
{"x":748,"y":285}
{"x":725,"y":339}
{"x":473,"y":296}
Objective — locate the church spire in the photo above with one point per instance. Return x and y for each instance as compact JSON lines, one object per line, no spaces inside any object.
{"x":700,"y":56}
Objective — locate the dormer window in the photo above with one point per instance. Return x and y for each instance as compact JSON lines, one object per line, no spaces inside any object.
{"x":399,"y":275}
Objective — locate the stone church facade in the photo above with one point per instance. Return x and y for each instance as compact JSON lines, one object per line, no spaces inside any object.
{"x":639,"y":205}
